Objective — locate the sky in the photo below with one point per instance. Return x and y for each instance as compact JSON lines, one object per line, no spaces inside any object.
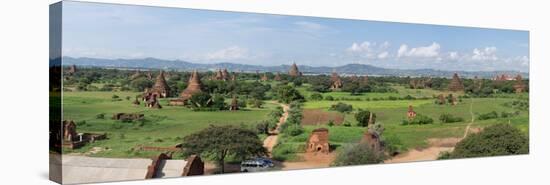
{"x":201,"y":36}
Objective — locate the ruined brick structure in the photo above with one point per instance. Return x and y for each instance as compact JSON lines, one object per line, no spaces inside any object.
{"x":420,"y":83}
{"x":411,"y":114}
{"x":519,"y":86}
{"x":151,"y":100}
{"x":72,"y":70}
{"x":456,"y":84}
{"x":69,"y":130}
{"x":294,"y":72}
{"x":193,"y":86}
{"x":73,"y":139}
{"x":234,"y":104}
{"x":127,"y":116}
{"x":373,"y":139}
{"x":336,"y":82}
{"x":264,"y":77}
{"x":318,"y":141}
{"x":161,"y":88}
{"x":277,"y":77}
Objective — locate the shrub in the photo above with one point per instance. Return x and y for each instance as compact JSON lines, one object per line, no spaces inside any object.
{"x":486,"y":116}
{"x":495,"y":140}
{"x":100,"y":116}
{"x":329,"y":98}
{"x":449,"y":118}
{"x":419,"y":120}
{"x":342,"y":107}
{"x":294,"y":130}
{"x":330,"y":123}
{"x":316,"y":96}
{"x":358,"y":154}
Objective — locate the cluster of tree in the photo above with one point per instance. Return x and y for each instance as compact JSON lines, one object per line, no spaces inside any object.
{"x":218,"y":143}
{"x":495,"y":140}
{"x":419,"y":119}
{"x":293,"y":124}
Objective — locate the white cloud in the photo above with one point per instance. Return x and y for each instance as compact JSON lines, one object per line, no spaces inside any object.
{"x":485,"y":54}
{"x":383,"y":55}
{"x":370,"y":49}
{"x":453,"y":55}
{"x":230,"y":53}
{"x":423,"y":51}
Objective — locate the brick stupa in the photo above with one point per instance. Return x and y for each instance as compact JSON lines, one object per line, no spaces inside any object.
{"x":456,"y":84}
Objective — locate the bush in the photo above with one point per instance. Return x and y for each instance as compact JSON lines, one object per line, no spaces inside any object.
{"x":449,"y":118}
{"x":495,"y":140}
{"x":342,"y":107}
{"x":329,"y":98}
{"x":419,"y":120}
{"x":316,"y":96}
{"x":393,"y":145}
{"x":330,"y":123}
{"x":358,"y":154}
{"x":284,"y":152}
{"x":100,"y":116}
{"x":486,"y":116}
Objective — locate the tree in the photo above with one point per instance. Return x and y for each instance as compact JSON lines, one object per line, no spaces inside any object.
{"x":140,"y":84}
{"x":495,"y":140}
{"x":287,"y":94}
{"x":358,"y":154}
{"x":363,"y":117}
{"x":200,"y":99}
{"x":219,"y":142}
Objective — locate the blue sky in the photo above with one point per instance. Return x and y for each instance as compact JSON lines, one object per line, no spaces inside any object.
{"x":200,"y":36}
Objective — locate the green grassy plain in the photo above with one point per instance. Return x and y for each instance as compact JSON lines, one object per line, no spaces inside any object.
{"x":163,"y":127}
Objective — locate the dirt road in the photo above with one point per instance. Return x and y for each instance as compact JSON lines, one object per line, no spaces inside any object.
{"x":271,"y":140}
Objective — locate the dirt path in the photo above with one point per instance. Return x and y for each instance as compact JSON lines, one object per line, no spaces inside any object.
{"x":271,"y":140}
{"x":437,"y":145}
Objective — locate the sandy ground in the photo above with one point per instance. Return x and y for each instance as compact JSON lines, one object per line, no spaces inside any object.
{"x":310,"y":160}
{"x":426,"y":154}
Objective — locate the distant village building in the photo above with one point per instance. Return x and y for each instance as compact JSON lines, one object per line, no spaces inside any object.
{"x":411,"y":114}
{"x":193,"y":86}
{"x":336,"y":82}
{"x":456,"y":84}
{"x":294,"y":72}
{"x":318,"y":141}
{"x":519,"y":86}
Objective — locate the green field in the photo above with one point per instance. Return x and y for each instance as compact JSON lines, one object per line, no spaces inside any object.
{"x":163,"y":127}
{"x":168,"y":126}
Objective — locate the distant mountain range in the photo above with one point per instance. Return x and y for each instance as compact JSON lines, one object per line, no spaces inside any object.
{"x":348,"y":69}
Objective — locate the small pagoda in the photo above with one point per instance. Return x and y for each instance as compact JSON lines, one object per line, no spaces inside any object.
{"x":294,"y":72}
{"x":456,"y":84}
{"x":234,"y":104}
{"x":277,"y":77}
{"x":194,"y":86}
{"x":264,"y":78}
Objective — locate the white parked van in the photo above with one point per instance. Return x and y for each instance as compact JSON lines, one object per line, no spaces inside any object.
{"x":256,"y":165}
